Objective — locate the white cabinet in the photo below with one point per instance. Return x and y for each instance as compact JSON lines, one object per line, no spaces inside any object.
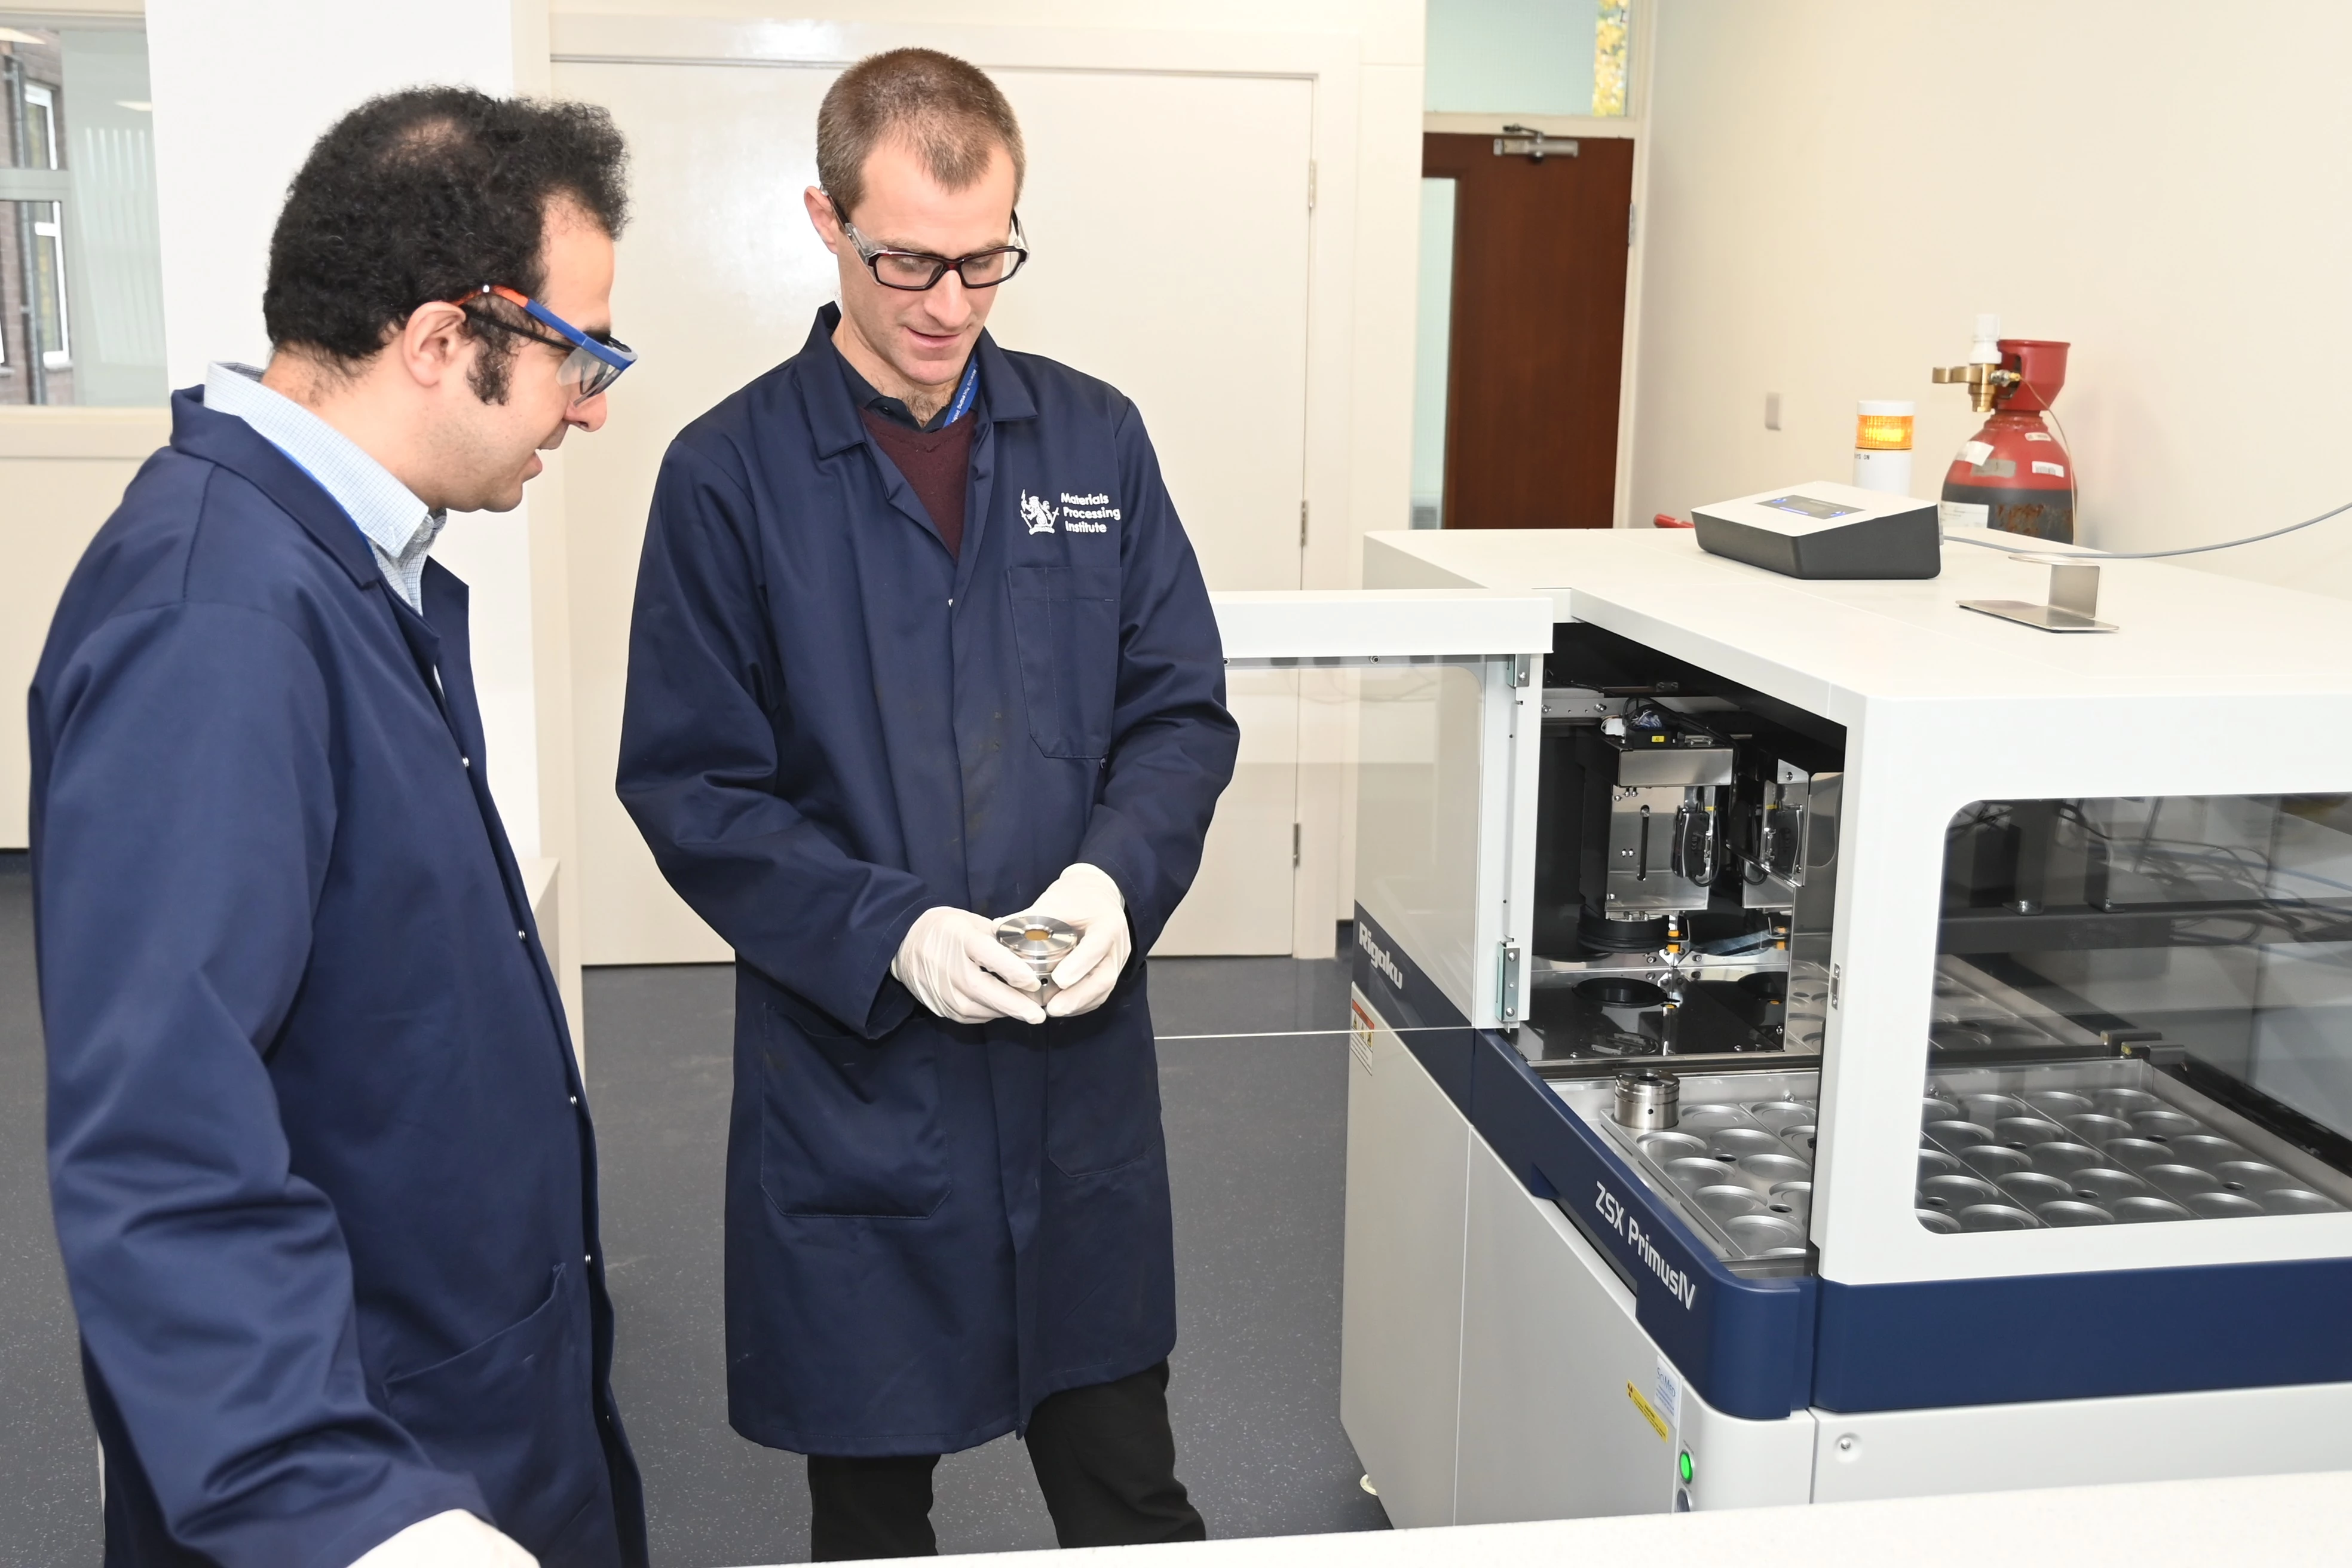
{"x":1400,"y":1310}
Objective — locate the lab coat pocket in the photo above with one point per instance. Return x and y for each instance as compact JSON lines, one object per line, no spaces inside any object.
{"x":517,"y":1414}
{"x":850,"y":1127}
{"x":1066,"y":619}
{"x":1102,"y":1096}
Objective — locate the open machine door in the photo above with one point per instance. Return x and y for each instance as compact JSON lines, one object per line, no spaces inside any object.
{"x":1446,"y":727}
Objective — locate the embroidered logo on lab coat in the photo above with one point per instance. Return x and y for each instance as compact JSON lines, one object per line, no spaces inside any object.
{"x":1086,"y":514}
{"x":1036,"y":513}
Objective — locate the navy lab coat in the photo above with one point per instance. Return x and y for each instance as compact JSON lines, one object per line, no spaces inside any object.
{"x":322,"y":1170}
{"x":832,"y":725}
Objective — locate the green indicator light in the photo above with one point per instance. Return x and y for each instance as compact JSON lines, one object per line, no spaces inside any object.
{"x":1684,"y":1465}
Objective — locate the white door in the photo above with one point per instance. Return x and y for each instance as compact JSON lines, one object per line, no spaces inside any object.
{"x":1168,"y":218}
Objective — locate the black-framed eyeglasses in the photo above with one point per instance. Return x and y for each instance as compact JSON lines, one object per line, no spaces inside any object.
{"x":916,"y":271}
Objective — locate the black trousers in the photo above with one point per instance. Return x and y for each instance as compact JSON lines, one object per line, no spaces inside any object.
{"x":1105,"y":1459}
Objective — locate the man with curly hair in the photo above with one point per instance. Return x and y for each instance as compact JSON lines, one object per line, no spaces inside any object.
{"x":320,"y":1155}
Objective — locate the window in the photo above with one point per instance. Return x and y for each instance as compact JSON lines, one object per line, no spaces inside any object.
{"x":2142,"y":1011}
{"x":41,"y":148}
{"x":81,"y":318}
{"x":44,"y":223}
{"x":1528,"y":56}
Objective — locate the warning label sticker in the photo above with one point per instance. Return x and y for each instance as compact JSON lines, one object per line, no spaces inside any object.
{"x":1649,"y":1412}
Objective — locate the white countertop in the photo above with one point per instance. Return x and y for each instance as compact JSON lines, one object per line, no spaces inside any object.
{"x":2274,"y":1520}
{"x":2183,"y":631}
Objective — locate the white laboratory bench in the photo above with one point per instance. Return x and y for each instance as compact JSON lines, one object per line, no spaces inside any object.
{"x":2277,"y":1520}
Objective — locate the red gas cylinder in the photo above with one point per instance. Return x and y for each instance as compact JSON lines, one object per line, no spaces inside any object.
{"x":2015,"y":473}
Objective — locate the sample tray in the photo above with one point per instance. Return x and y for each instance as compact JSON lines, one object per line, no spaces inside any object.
{"x":1741,"y":1169}
{"x":2099,"y":1144}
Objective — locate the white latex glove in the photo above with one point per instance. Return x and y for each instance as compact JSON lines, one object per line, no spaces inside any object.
{"x":452,"y":1540}
{"x":955,"y":966}
{"x":1086,"y":896}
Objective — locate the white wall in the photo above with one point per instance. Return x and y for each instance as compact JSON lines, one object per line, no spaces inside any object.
{"x":241,"y":90}
{"x":1837,"y":186}
{"x":1388,"y":38}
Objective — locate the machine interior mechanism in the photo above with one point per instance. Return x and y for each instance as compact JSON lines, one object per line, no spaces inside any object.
{"x":2142,"y":1007}
{"x":1686,"y":860}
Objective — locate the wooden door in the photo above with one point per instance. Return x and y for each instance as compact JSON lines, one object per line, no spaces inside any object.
{"x":720,"y":275}
{"x":1538,"y":331}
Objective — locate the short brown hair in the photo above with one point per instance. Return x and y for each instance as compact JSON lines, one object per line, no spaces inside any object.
{"x":946,"y":109}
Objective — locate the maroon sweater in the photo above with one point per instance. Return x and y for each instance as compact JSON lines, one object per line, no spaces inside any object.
{"x":936,"y":463}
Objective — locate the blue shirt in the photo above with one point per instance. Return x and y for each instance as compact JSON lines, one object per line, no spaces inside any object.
{"x":399,"y":527}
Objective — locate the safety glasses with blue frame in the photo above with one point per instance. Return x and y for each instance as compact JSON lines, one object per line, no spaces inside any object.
{"x":594,"y":362}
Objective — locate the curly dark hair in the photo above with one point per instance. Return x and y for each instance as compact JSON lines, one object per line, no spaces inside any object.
{"x":424,"y":194}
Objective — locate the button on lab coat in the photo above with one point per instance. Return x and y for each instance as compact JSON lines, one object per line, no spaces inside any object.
{"x":324,"y":1184}
{"x":833,"y":724}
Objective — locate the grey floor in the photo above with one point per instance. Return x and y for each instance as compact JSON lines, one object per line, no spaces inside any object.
{"x":1255,"y":1135}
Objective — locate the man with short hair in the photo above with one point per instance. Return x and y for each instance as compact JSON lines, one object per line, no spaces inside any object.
{"x":920,"y":641}
{"x":318,"y":1151}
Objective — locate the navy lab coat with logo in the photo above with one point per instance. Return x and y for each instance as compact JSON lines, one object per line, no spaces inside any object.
{"x":833,"y":725}
{"x":322,"y":1171}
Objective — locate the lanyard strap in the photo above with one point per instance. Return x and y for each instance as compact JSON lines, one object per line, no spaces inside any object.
{"x":966,"y":389}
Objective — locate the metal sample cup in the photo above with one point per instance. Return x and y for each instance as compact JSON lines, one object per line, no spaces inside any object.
{"x":1647,"y":1099}
{"x":2181,"y":1180}
{"x":1992,"y":1161}
{"x":2104,"y":1186}
{"x":2137,"y":1152}
{"x":2204,"y":1149}
{"x":1774,"y":1169}
{"x":1953,"y":1194}
{"x":1726,"y":1202}
{"x":1692,"y":1175}
{"x":2020,"y":1131}
{"x":2224,"y":1206}
{"x":1987,"y":1109}
{"x":1763,"y":1232}
{"x":2295,"y":1200}
{"x":2034,"y":1189}
{"x":2092,"y":1128}
{"x":2058,"y":1158}
{"x":1741,"y":1141}
{"x":2244,"y":1175}
{"x":1039,"y":941}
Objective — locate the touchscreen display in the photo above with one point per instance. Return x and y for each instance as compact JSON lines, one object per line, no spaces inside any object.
{"x":1806,"y":506}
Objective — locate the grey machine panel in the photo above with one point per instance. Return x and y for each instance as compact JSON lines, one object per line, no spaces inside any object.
{"x":1825,"y":530}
